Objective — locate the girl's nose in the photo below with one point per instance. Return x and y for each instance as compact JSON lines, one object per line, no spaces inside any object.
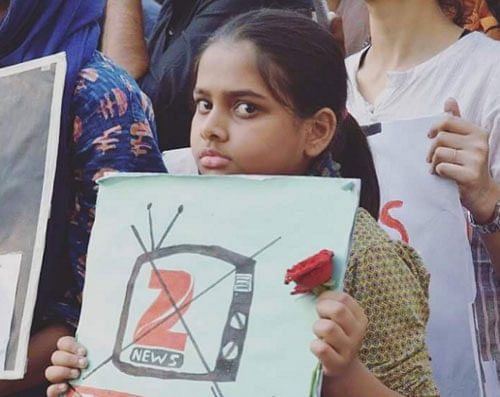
{"x":214,"y":128}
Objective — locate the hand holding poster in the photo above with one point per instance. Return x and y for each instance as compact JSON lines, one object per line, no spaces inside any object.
{"x":30,"y":110}
{"x":424,"y":210}
{"x":185,"y":292}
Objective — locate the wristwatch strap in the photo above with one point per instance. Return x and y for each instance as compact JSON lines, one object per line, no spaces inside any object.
{"x":491,"y":227}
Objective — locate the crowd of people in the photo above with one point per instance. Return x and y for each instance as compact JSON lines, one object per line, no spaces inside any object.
{"x":258,"y":87}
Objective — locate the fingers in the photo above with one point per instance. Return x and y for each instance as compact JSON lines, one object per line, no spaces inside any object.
{"x":454,"y":124}
{"x":57,"y":390}
{"x":332,"y":333}
{"x":70,"y":345}
{"x":455,"y":172}
{"x":339,"y":312}
{"x":333,"y":363}
{"x":451,"y":106}
{"x":59,"y":374}
{"x":448,"y":140}
{"x":65,"y":359}
{"x":344,"y":299}
{"x":340,"y":331}
{"x":66,"y":364}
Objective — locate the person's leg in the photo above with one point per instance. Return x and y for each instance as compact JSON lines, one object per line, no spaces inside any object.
{"x":41,"y":346}
{"x":151,"y":10}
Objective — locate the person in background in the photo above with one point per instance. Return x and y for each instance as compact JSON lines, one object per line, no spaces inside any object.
{"x":355,"y":22}
{"x":482,"y":16}
{"x":151,"y":10}
{"x":107,"y":124}
{"x":182,"y":27}
{"x":414,"y":69}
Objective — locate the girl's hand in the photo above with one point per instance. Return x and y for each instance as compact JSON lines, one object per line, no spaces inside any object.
{"x":66,"y":364}
{"x":340,"y":331}
{"x":460,"y":152}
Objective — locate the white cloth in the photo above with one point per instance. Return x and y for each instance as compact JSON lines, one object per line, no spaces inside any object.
{"x":468,"y":71}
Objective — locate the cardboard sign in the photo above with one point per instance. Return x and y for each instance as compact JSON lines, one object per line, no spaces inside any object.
{"x":30,"y":111}
{"x":185,"y":293}
{"x":424,"y":210}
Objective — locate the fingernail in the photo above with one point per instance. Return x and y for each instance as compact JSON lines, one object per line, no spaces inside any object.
{"x":74,"y":373}
{"x":81,"y":351}
{"x":63,"y":387}
{"x":82,"y":362}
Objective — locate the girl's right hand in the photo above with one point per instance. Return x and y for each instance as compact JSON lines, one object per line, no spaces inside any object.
{"x":67,"y":361}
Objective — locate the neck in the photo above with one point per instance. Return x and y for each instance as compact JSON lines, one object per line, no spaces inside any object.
{"x":4,"y":5}
{"x":407,"y":32}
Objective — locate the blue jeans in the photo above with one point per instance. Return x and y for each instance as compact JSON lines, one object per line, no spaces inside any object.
{"x":151,"y":11}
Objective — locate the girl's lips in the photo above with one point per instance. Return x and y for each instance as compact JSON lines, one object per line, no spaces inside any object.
{"x":213,"y":159}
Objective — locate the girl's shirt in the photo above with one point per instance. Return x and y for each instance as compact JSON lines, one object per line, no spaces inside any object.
{"x":390,"y":283}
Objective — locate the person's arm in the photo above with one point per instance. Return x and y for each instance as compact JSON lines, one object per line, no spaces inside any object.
{"x":41,"y":346}
{"x":123,"y":38}
{"x":460,"y":152}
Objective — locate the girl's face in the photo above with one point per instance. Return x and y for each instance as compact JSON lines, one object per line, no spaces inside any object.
{"x":239,"y":127}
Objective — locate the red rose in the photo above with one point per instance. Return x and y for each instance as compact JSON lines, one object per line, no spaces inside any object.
{"x":311,"y":273}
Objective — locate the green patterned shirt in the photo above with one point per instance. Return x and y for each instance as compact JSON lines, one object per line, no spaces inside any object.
{"x":389,"y":281}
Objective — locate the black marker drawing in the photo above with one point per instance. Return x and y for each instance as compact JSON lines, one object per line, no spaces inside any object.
{"x":152,"y":361}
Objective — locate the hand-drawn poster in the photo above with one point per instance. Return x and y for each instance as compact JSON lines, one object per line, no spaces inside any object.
{"x":30,"y":110}
{"x":424,"y":210}
{"x":184,"y":292}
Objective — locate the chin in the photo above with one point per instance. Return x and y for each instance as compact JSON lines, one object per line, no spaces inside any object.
{"x":214,"y":171}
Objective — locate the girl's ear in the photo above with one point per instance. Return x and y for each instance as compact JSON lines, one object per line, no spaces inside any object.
{"x":321,"y":131}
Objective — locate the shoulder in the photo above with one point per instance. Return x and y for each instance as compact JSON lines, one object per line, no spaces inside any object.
{"x":377,"y":261}
{"x":103,"y":87}
{"x":101,"y":75}
{"x":479,"y":54}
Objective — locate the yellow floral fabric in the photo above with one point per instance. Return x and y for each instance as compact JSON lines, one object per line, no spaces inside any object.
{"x":388,"y":280}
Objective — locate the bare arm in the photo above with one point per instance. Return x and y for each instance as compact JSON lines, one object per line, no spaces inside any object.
{"x":123,"y":36}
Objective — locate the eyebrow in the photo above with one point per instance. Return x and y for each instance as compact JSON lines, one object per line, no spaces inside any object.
{"x":234,"y":94}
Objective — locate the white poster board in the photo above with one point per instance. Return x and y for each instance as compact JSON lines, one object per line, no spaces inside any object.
{"x":222,"y":322}
{"x":30,"y":110}
{"x":425,"y":211}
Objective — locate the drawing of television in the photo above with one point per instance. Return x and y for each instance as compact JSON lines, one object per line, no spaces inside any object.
{"x":169,"y":293}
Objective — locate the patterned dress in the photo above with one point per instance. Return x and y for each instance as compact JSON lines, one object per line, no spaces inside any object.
{"x":114,"y":131}
{"x":390,"y":283}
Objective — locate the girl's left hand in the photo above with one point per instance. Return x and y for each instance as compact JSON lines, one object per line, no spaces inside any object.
{"x":340,"y":331}
{"x":460,"y":152}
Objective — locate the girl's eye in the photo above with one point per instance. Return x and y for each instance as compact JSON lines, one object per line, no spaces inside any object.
{"x":246,"y":109}
{"x":203,"y":106}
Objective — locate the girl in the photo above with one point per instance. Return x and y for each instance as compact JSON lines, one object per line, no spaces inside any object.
{"x":270,"y":98}
{"x":411,"y":70}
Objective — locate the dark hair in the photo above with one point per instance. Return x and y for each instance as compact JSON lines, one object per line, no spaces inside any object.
{"x":454,"y":9}
{"x":304,"y":69}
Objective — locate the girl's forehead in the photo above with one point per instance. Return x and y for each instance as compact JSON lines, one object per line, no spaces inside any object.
{"x":230,"y":65}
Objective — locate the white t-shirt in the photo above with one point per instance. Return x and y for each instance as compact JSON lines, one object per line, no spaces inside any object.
{"x":468,"y":70}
